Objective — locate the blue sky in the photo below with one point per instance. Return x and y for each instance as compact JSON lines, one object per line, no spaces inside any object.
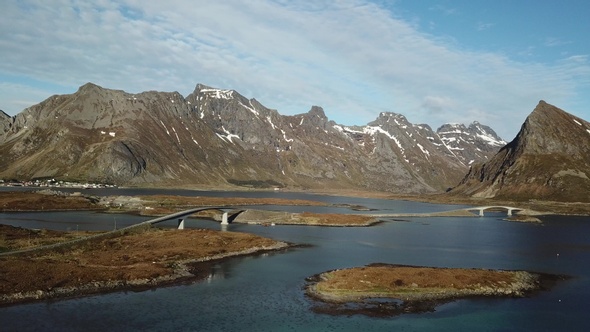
{"x":433,"y":61}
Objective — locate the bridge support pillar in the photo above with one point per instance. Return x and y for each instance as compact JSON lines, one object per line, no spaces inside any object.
{"x":509,"y":212}
{"x":481,"y":212}
{"x":224,"y":219}
{"x":180,"y":223}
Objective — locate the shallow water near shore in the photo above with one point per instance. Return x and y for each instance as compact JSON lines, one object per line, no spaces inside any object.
{"x":264,"y":293}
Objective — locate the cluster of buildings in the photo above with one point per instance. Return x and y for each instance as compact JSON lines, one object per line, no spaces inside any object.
{"x":53,"y":183}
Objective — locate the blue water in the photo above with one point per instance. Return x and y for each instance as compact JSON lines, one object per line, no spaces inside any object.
{"x":264,"y":293}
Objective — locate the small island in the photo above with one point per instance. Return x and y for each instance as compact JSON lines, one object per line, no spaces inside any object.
{"x":387,"y":290}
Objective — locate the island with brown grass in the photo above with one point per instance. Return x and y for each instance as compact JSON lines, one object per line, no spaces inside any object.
{"x":386,"y":290}
{"x":140,"y":259}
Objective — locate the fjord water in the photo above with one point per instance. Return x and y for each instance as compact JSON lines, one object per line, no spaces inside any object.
{"x":264,"y":293}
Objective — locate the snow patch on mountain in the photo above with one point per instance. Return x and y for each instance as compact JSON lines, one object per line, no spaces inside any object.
{"x":218,"y":93}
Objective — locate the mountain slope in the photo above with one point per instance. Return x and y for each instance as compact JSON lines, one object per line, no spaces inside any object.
{"x":218,"y":138}
{"x":549,"y":159}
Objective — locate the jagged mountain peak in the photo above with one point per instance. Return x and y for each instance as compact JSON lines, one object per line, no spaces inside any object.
{"x":314,"y":118}
{"x":317,"y":111}
{"x":387,"y":117}
{"x":472,"y":143}
{"x":205,"y":91}
{"x":451,"y":126}
{"x":392,"y":115}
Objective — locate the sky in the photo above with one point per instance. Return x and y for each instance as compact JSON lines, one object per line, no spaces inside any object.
{"x":435,"y":62}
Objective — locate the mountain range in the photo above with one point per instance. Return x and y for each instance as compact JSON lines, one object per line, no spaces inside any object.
{"x":219,"y":138}
{"x":216,"y":138}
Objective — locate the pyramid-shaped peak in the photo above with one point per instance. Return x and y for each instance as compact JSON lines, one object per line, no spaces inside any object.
{"x":317,"y":111}
{"x":89,"y":87}
{"x":546,"y":116}
{"x":200,"y":87}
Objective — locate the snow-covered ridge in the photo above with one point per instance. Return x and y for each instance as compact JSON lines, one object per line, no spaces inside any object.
{"x":218,"y":93}
{"x":491,"y":140}
{"x":454,"y":133}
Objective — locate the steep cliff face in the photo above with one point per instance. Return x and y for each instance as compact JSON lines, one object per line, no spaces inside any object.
{"x":548,"y":159}
{"x":217,"y":137}
{"x":5,"y":123}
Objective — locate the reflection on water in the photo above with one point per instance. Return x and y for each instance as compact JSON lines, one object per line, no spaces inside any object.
{"x":264,"y":293}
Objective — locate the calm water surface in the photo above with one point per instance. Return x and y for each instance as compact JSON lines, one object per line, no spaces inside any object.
{"x":264,"y":293}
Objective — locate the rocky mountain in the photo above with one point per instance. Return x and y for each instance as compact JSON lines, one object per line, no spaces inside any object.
{"x":470,"y":144}
{"x":219,"y":138}
{"x":4,"y":122}
{"x":549,"y":159}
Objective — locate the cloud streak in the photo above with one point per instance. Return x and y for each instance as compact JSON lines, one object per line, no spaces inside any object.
{"x":352,"y":57}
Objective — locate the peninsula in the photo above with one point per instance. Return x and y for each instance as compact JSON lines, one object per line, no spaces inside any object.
{"x":141,"y":259}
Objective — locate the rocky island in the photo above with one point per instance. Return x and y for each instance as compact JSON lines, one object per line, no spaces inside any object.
{"x":385,"y":289}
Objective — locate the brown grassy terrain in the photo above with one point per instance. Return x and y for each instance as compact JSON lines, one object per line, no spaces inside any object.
{"x":170,"y":201}
{"x":333,"y":219}
{"x":28,"y":201}
{"x":409,"y":282}
{"x":416,"y":289}
{"x":264,"y":217}
{"x":143,"y":259}
{"x":16,"y":238}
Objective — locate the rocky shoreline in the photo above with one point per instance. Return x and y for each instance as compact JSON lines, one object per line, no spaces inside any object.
{"x":183,"y":271}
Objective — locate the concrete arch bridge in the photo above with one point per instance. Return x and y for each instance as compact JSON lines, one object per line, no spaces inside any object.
{"x":480,"y":209}
{"x":228,"y":216}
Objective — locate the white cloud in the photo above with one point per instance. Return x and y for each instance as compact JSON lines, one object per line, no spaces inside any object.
{"x":352,"y":57}
{"x":444,"y":10}
{"x":482,"y":26}
{"x":553,"y":42}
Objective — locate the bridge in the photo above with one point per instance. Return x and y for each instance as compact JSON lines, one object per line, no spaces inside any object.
{"x":481,"y":209}
{"x":466,"y":212}
{"x":226,"y":218}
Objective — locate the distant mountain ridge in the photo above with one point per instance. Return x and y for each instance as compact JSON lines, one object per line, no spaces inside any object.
{"x":549,"y":159}
{"x":219,"y":138}
{"x":462,"y":140}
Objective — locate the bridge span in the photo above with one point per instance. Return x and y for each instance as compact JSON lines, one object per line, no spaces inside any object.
{"x":481,"y":209}
{"x":465,"y":212}
{"x":226,"y":218}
